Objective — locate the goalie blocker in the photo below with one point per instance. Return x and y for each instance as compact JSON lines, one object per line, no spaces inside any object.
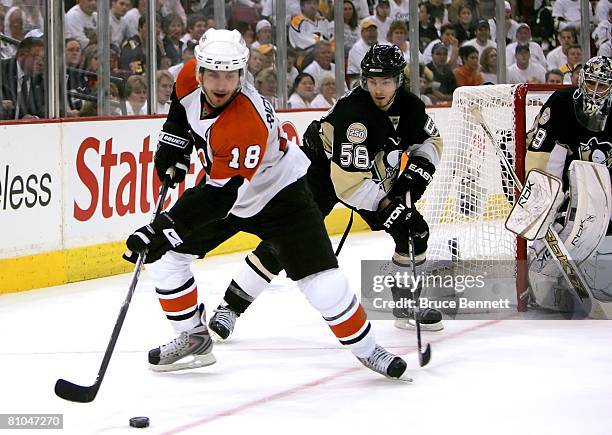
{"x":582,"y":227}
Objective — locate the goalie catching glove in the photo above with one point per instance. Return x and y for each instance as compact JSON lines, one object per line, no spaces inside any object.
{"x":414,"y":179}
{"x":157,"y":238}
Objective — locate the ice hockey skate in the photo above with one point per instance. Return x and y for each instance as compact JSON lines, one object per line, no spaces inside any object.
{"x":430,"y":318}
{"x":190,"y":350}
{"x":222,"y":323}
{"x":387,"y":364}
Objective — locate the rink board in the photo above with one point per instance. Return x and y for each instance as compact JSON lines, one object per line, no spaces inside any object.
{"x":71,"y":192}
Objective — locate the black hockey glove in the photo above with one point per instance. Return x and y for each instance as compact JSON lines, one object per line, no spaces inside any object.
{"x":313,"y":145}
{"x":394,"y":216}
{"x":173,"y":156}
{"x":415,"y":178}
{"x":157,"y":238}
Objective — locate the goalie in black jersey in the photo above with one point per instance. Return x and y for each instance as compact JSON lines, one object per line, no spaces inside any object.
{"x":355,"y":152}
{"x":572,"y":127}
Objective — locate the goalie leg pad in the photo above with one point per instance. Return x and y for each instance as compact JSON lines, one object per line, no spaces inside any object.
{"x":330,"y":294}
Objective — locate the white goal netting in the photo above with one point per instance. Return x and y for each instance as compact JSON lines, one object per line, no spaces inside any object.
{"x":471,"y":194}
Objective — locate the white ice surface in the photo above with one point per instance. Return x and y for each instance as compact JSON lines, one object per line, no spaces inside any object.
{"x":285,"y":373}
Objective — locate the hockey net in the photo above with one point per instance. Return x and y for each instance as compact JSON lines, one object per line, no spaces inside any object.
{"x":471,"y":195}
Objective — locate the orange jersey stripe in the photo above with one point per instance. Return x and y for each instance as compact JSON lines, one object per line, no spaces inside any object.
{"x":181,"y":303}
{"x":186,"y":81}
{"x":352,"y":325}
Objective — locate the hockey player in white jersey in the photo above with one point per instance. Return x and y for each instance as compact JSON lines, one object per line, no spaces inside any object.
{"x":574,"y":125}
{"x":255,"y":183}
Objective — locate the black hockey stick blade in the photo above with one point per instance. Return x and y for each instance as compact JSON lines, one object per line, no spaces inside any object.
{"x":425,"y":356}
{"x":76,"y":393}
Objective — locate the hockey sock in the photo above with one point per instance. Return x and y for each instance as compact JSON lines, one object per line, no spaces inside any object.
{"x":176,"y":290}
{"x":180,"y":305}
{"x":330,"y":294}
{"x":251,"y":280}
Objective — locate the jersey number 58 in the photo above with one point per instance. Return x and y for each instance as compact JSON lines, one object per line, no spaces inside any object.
{"x":356,"y":155}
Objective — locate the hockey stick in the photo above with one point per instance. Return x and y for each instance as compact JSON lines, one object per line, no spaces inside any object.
{"x":560,"y":254}
{"x":85,"y":394}
{"x":424,"y":355}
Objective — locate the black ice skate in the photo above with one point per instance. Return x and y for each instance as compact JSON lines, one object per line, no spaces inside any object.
{"x":222,"y":323}
{"x":192,"y":349}
{"x":387,"y":364}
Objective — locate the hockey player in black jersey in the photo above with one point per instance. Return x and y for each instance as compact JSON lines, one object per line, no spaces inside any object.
{"x":355,"y":152}
{"x":574,"y":125}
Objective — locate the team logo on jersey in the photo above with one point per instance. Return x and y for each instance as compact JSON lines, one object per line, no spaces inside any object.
{"x":596,"y":152}
{"x":356,"y":132}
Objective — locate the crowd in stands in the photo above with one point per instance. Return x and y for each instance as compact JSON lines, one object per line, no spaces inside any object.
{"x":456,"y":47}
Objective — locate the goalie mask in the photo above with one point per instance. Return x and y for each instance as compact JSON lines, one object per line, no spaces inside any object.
{"x":383,"y":61}
{"x":592,"y":99}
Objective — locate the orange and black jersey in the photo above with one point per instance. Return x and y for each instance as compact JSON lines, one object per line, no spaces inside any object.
{"x":246,"y":155}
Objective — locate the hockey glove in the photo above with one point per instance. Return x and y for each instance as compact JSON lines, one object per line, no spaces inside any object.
{"x":172,"y":157}
{"x":157,"y":238}
{"x":394,"y":215}
{"x":415,"y":178}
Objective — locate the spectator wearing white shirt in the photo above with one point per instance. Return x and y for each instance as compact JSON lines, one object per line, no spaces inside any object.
{"x":567,"y":13}
{"x":80,"y":22}
{"x":605,"y":49}
{"x":263,"y":34}
{"x":165,"y":82}
{"x":369,"y":37}
{"x":136,"y":95}
{"x":482,"y":39}
{"x":133,"y":15}
{"x":602,"y":33}
{"x":351,"y":25}
{"x":303,"y":92}
{"x":447,"y":37}
{"x":523,"y":37}
{"x":602,"y":10}
{"x":292,"y":7}
{"x":400,"y":10}
{"x":322,"y":63}
{"x":382,"y":19}
{"x":558,"y":57}
{"x":397,"y":36}
{"x":309,"y":27}
{"x":327,"y":92}
{"x":510,"y":25}
{"x":118,"y":26}
{"x":488,"y":65}
{"x":524,"y":71}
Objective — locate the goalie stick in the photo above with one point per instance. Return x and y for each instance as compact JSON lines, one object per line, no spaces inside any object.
{"x":560,"y":254}
{"x":85,"y":394}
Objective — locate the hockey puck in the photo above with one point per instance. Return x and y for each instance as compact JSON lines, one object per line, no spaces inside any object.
{"x":139,"y":422}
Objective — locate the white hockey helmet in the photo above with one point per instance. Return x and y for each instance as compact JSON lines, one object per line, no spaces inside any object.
{"x":222,"y":50}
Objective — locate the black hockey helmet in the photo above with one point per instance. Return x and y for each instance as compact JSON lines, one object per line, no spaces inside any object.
{"x":383,"y":60}
{"x":593,"y":97}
